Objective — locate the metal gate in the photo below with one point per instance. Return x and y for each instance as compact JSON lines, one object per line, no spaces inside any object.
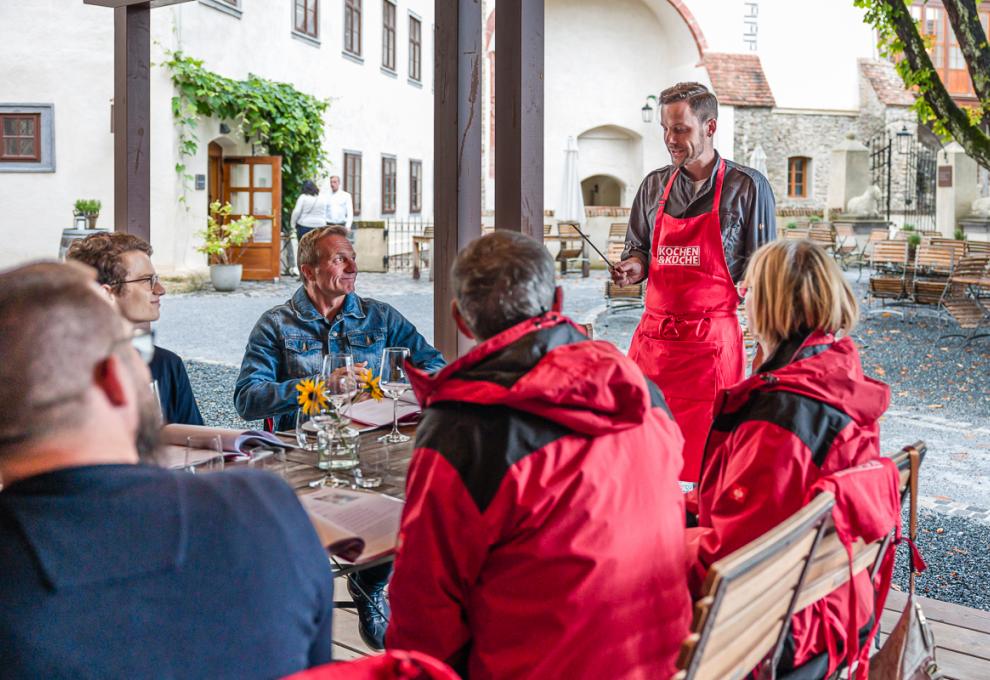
{"x":399,"y":236}
{"x":905,"y":174}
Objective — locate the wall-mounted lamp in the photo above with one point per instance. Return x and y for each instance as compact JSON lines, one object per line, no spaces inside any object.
{"x":903,"y":140}
{"x":647,"y":109}
{"x":224,"y":129}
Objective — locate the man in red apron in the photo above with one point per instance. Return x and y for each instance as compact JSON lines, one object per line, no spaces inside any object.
{"x":692,"y":227}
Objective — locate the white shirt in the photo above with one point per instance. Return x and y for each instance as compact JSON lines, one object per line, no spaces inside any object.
{"x":310,"y":211}
{"x":340,"y":209}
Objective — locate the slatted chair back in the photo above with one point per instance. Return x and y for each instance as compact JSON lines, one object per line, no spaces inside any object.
{"x":931,"y":258}
{"x":617,"y":231}
{"x":487,"y":229}
{"x":547,"y":230}
{"x":957,"y":248}
{"x":823,"y":236}
{"x":614,"y":251}
{"x":829,"y":568}
{"x":845,"y":240}
{"x":929,"y":234}
{"x":957,"y":301}
{"x":749,"y":596}
{"x":428,"y":231}
{"x":889,"y":253}
{"x":795,"y":234}
{"x":977,"y":248}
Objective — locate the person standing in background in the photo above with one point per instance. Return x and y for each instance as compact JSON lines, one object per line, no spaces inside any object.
{"x":340,"y":208}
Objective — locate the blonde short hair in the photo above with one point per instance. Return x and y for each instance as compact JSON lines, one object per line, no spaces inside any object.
{"x":307,"y":244}
{"x":796,"y":286}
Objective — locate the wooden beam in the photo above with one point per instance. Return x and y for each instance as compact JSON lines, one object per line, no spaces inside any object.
{"x":132,"y":124}
{"x":519,"y":117}
{"x":456,"y":153}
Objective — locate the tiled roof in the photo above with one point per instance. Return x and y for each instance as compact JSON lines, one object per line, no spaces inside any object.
{"x":885,"y":82}
{"x":738,"y":79}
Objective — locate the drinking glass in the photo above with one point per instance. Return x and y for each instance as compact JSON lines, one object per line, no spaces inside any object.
{"x":336,"y":363}
{"x":394,"y":382}
{"x":204,"y":453}
{"x":308,"y":427}
{"x":372,"y":467}
{"x":341,"y":387}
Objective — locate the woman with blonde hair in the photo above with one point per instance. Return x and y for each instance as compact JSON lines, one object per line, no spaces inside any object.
{"x":805,"y":413}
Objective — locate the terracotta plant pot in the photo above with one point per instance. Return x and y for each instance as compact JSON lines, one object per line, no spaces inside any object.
{"x":91,"y":219}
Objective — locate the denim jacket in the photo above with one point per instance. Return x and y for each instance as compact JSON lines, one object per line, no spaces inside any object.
{"x":289,"y":341}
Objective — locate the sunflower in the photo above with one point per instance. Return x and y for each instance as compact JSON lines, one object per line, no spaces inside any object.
{"x":312,"y":397}
{"x":370,"y":384}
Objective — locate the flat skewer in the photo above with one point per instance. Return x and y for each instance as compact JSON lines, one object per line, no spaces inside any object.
{"x":611,"y":267}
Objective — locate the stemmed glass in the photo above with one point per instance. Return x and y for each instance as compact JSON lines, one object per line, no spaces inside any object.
{"x":394,"y":382}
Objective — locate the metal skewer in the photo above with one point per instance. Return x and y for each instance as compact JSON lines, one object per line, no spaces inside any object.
{"x":611,"y":267}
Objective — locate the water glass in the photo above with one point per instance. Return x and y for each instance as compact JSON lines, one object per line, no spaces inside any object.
{"x":372,"y":467}
{"x":308,"y":427}
{"x":204,"y":453}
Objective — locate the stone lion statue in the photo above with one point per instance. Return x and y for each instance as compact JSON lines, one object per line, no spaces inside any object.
{"x":981,"y":207}
{"x":866,"y":204}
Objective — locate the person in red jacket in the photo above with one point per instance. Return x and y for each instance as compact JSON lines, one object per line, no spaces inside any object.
{"x":543,"y":533}
{"x":808,"y":411}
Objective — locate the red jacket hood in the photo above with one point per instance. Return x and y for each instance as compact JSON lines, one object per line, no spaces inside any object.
{"x":548,"y":367}
{"x":822,"y":368}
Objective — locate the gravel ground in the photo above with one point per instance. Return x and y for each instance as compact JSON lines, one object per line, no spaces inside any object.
{"x":940,"y":393}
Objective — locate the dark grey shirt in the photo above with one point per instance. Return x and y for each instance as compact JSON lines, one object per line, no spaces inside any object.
{"x":747,"y":212}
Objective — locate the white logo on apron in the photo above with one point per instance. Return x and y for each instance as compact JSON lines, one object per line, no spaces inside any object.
{"x":680,"y":256}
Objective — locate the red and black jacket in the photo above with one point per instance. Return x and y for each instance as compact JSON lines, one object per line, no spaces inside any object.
{"x":543,"y":530}
{"x":808,"y":412}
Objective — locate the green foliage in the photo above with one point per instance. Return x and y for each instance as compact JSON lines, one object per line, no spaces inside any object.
{"x":814,"y":219}
{"x":900,"y":40}
{"x":914,"y":240}
{"x":87,"y":206}
{"x":908,"y":227}
{"x":792,"y":225}
{"x":285,"y":121}
{"x":222,"y":233}
{"x":959,"y":234}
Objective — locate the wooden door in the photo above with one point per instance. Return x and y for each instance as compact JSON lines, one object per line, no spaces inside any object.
{"x":215,"y":179}
{"x":253,"y":186}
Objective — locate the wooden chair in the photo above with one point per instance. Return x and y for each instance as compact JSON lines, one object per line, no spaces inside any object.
{"x":823,"y":235}
{"x":846,"y":246}
{"x":829,"y":567}
{"x":889,"y":261}
{"x":422,"y":242}
{"x":749,"y":597}
{"x":572,"y":249}
{"x":795,"y":234}
{"x":617,"y":232}
{"x":977,"y":248}
{"x":932,"y":266}
{"x":965,"y":298}
{"x":957,"y":248}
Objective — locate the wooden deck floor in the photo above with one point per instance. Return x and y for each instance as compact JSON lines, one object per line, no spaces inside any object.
{"x":962,"y":635}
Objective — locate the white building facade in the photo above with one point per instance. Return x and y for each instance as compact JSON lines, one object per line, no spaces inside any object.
{"x":57,"y":57}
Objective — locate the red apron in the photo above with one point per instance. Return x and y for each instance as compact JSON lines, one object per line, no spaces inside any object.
{"x":689,"y":341}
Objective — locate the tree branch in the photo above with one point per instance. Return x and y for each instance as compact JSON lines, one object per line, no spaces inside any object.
{"x":965,"y":20}
{"x":957,"y":123}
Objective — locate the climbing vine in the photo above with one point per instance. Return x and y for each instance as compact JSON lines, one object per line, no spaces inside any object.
{"x":280,"y":118}
{"x":900,"y":39}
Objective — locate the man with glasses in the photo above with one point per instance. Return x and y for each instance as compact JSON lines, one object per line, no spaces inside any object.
{"x":113,"y":568}
{"x":124,"y":270}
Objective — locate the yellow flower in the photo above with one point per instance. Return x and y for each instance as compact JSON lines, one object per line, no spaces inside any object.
{"x":312,"y":397}
{"x":371,"y":384}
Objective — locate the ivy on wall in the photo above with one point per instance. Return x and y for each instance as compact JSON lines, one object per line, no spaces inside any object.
{"x":277,"y":116}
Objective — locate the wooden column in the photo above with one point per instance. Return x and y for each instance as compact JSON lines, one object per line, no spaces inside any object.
{"x":132,"y":124}
{"x":456,"y":153}
{"x":519,"y":117}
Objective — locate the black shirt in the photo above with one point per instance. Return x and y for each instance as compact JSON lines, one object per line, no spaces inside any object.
{"x":747,"y":211}
{"x":178,"y":402}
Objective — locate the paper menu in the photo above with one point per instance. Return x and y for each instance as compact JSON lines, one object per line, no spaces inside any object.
{"x":359,"y":526}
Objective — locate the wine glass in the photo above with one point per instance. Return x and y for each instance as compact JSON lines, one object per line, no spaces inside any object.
{"x":394,"y":382}
{"x":341,"y":387}
{"x":203,"y":454}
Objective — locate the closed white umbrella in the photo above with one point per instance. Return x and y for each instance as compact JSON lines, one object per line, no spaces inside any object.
{"x":758,"y":160}
{"x":571,"y":206}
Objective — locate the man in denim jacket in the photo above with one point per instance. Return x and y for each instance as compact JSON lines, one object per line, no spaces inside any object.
{"x":288,"y":344}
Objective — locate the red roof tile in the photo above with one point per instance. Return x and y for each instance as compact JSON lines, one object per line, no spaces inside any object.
{"x":886,"y":82}
{"x":738,"y":79}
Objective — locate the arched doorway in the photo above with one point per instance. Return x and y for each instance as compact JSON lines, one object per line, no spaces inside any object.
{"x":602,"y":190}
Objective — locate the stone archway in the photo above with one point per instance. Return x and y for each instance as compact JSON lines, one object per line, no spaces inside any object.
{"x":603,"y":190}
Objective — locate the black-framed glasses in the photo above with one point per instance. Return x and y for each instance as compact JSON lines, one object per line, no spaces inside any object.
{"x":152,"y":280}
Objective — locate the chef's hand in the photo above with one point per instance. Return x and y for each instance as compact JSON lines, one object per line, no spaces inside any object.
{"x":628,"y":272}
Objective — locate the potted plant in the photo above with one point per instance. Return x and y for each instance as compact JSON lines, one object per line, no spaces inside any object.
{"x":220,"y":237}
{"x":90,"y":208}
